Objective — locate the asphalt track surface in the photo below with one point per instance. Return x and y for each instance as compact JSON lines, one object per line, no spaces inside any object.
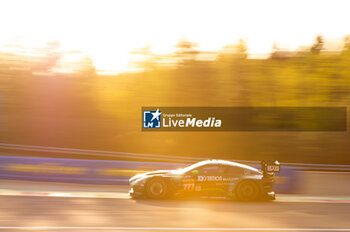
{"x":24,"y":206}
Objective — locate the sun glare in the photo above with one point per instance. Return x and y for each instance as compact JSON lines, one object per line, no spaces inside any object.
{"x":107,"y":31}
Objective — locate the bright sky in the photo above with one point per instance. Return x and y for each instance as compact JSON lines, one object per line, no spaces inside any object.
{"x":108,"y":30}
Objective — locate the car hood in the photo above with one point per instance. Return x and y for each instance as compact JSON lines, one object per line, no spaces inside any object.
{"x":139,"y":176}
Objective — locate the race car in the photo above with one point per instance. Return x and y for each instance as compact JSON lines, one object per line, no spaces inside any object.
{"x":209,"y":178}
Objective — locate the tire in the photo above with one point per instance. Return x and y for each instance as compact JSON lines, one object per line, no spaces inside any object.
{"x":248,"y":191}
{"x":156,"y":189}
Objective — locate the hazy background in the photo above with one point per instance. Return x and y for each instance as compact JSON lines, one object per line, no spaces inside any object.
{"x":76,"y":75}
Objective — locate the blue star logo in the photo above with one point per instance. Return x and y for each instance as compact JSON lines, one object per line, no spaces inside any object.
{"x":152,"y":119}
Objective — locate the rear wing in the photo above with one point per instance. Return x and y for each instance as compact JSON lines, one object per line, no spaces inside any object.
{"x":268,"y":166}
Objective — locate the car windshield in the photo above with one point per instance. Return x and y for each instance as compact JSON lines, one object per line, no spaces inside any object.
{"x":192,"y":167}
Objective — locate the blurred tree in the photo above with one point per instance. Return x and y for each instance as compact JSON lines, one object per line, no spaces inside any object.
{"x":53,"y":53}
{"x":146,"y":59}
{"x":275,"y":50}
{"x":241,"y":49}
{"x":234,"y":51}
{"x":186,"y":51}
{"x":346,"y":48}
{"x":279,"y":52}
{"x":318,"y":45}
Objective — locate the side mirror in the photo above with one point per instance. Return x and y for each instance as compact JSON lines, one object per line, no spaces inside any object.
{"x":195,"y":172}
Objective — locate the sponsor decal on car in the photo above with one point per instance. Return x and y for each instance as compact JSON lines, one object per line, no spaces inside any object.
{"x":188,"y":184}
{"x":230,"y":178}
{"x":209,"y":178}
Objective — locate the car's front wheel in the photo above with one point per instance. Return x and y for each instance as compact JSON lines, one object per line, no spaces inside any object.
{"x":248,"y":191}
{"x":156,"y":189}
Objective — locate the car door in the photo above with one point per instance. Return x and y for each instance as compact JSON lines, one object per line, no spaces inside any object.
{"x":210,"y":180}
{"x":233,"y":175}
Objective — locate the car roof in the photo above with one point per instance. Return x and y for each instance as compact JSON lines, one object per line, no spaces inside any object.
{"x":226,"y":162}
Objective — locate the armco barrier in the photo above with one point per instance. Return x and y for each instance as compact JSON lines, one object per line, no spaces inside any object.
{"x":44,"y":150}
{"x":101,"y":172}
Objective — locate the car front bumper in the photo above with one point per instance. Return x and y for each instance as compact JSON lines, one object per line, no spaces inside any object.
{"x":136,"y":193}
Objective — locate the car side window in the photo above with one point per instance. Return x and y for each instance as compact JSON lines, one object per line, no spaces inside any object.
{"x":211,"y":170}
{"x":236,"y":171}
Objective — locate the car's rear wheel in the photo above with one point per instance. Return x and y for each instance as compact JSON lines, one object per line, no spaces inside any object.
{"x":248,"y":191}
{"x":157,"y":189}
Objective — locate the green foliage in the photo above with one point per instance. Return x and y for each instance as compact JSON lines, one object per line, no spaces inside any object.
{"x":101,"y":112}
